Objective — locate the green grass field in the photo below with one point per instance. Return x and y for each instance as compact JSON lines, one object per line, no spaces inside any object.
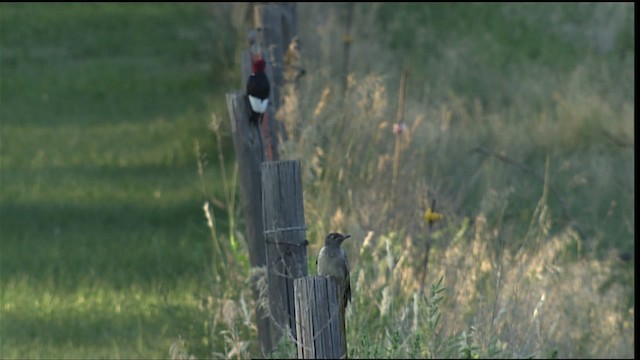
{"x":104,"y":243}
{"x":107,"y":158}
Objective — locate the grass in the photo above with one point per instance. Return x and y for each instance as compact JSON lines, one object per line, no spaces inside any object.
{"x":107,"y":161}
{"x":104,"y":244}
{"x":537,"y":223}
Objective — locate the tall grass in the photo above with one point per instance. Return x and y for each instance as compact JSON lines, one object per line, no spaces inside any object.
{"x":532,"y":168}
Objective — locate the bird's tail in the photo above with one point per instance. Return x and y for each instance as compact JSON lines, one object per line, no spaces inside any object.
{"x":255,"y":118}
{"x":343,"y":308}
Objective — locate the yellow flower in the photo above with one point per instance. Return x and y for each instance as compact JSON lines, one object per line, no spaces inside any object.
{"x":432,"y":216}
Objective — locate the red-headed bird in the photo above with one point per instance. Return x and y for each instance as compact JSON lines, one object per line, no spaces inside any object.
{"x":258,"y":90}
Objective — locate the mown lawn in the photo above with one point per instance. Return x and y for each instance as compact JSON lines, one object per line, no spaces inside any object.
{"x":104,"y":246}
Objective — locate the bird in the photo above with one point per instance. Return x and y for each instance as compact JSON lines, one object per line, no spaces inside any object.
{"x":332,"y":261}
{"x":430,"y":216}
{"x":258,"y":88}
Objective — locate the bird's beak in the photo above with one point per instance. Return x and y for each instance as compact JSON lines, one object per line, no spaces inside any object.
{"x":346,"y":237}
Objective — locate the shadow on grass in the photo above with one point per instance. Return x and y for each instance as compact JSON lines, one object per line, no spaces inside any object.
{"x":141,"y":333}
{"x":122,"y":235}
{"x":122,"y":244}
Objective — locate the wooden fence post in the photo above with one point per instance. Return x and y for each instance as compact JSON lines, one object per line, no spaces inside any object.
{"x":285,"y":236}
{"x":249,"y":151}
{"x":275,"y":25}
{"x":319,"y":321}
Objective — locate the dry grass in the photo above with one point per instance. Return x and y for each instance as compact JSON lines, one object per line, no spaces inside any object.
{"x":508,"y":272}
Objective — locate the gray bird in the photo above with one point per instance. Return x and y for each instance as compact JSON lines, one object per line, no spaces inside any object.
{"x":332,"y":261}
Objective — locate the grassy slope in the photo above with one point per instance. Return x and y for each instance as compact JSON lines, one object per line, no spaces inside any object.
{"x":103,"y":240}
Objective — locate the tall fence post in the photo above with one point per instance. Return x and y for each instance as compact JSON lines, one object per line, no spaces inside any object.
{"x":285,"y":236}
{"x":249,"y":151}
{"x":319,"y":321}
{"x":275,"y":26}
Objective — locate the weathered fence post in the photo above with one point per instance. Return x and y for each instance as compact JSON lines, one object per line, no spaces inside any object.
{"x":249,"y":151}
{"x":319,"y":321}
{"x":275,"y":26}
{"x":285,"y":236}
